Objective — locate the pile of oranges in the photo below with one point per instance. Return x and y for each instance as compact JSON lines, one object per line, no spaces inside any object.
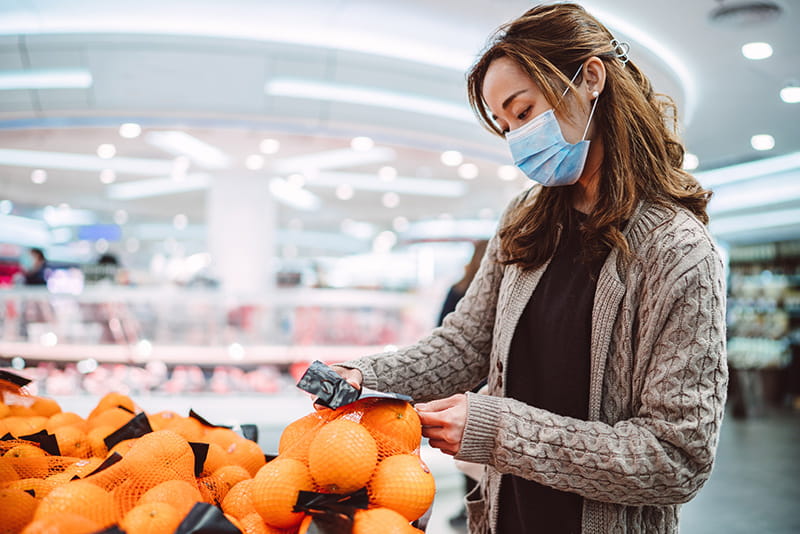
{"x":372,"y":444}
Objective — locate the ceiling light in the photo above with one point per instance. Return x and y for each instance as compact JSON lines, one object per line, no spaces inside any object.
{"x":106,"y":151}
{"x":120,"y":217}
{"x":153,"y":187}
{"x":295,"y":197}
{"x":384,"y":242}
{"x":387,"y":173}
{"x":762,"y":142}
{"x":130,"y":130}
{"x":344,"y":192}
{"x":108,"y":176}
{"x":83,"y":162}
{"x":451,"y":158}
{"x":747,"y":171}
{"x":182,"y":144}
{"x":101,"y":246}
{"x":690,"y":161}
{"x":368,"y":96}
{"x":390,"y":200}
{"x":468,"y":171}
{"x":400,"y":224}
{"x":757,"y":221}
{"x":791,"y":94}
{"x":296,"y":179}
{"x":180,"y":221}
{"x":39,"y":176}
{"x":411,"y":186}
{"x":6,"y":206}
{"x":254,"y":162}
{"x":757,"y":51}
{"x":269,"y":146}
{"x":333,"y":159}
{"x":45,"y":79}
{"x":362,"y":144}
{"x":507,"y":172}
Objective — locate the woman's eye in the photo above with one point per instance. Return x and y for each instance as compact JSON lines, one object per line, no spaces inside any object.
{"x":524,"y":114}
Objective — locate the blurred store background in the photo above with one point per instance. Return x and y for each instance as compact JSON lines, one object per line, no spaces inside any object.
{"x":224,"y":192}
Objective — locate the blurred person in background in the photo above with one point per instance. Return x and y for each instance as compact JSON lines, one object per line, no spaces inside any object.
{"x":598,"y":312}
{"x":36,"y":272}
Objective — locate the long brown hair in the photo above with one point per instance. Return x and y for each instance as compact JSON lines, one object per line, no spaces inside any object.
{"x":642,"y":152}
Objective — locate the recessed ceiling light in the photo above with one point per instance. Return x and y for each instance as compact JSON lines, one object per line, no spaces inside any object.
{"x":791,"y":94}
{"x":108,"y":176}
{"x":468,"y":171}
{"x":106,"y":151}
{"x":507,"y":172}
{"x":690,"y":161}
{"x":296,"y":179}
{"x":254,"y":162}
{"x":384,"y":241}
{"x":180,"y":221}
{"x":46,"y":79}
{"x":762,"y":142}
{"x":387,"y":173}
{"x":400,"y":224}
{"x":344,"y":192}
{"x":757,"y":50}
{"x":39,"y":176}
{"x":362,"y":144}
{"x":451,"y":158}
{"x":391,"y":200}
{"x":120,"y":217}
{"x":130,"y":130}
{"x":101,"y":246}
{"x":269,"y":146}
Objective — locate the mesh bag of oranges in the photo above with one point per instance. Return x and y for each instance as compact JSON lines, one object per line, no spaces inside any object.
{"x":354,"y":467}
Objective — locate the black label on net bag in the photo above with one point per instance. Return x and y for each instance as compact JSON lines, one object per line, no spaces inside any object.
{"x":46,"y":441}
{"x":19,"y":381}
{"x":206,"y":518}
{"x":203,"y":421}
{"x":333,"y":391}
{"x":200,"y":451}
{"x":135,"y":428}
{"x":108,"y":462}
{"x":332,"y":513}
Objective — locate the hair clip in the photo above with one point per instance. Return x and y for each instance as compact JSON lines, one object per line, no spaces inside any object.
{"x":620,"y":50}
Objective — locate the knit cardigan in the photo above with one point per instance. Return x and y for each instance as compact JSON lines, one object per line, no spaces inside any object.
{"x":657,"y":382}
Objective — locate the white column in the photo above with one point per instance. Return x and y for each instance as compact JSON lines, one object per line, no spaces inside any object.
{"x":241,"y":225}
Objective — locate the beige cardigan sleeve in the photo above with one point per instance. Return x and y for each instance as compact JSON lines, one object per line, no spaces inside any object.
{"x":664,"y":453}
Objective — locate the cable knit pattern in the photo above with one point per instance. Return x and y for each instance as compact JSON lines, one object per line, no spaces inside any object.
{"x":657,"y":383}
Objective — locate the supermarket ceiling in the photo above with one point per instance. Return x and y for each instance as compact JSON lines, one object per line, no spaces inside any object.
{"x":279,"y":90}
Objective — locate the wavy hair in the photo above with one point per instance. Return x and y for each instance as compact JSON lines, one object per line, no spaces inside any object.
{"x":642,"y":151}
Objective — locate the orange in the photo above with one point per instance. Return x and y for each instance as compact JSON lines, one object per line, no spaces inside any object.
{"x":45,"y":407}
{"x":161,"y":456}
{"x":123,"y":447}
{"x":188,"y":427}
{"x":231,"y":475}
{"x":212,"y":489}
{"x":96,"y":438}
{"x":216,"y":458}
{"x":404,"y":484}
{"x":65,"y":418}
{"x":253,"y":524}
{"x":113,"y":400}
{"x":297,"y":436}
{"x":72,"y":441}
{"x":16,"y":509}
{"x":18,"y":410}
{"x":80,"y":498}
{"x":113,"y":417}
{"x":5,"y":411}
{"x":24,"y":450}
{"x":247,"y":454}
{"x":83,"y":467}
{"x":179,"y":494}
{"x":342,"y":456}
{"x":381,"y":521}
{"x":63,"y":524}
{"x":275,"y":489}
{"x":7,"y":472}
{"x":22,"y":426}
{"x":161,"y":420}
{"x":224,"y":437}
{"x":235,"y":522}
{"x":151,"y":518}
{"x":394,"y":424}
{"x":41,"y":488}
{"x":238,"y":502}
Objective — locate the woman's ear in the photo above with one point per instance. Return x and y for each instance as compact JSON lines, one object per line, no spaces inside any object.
{"x":594,"y":75}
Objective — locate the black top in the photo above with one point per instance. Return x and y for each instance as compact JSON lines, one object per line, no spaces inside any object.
{"x":450,"y":302}
{"x":548,"y":367}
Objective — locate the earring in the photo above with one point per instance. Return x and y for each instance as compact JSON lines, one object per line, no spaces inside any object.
{"x":595,"y":94}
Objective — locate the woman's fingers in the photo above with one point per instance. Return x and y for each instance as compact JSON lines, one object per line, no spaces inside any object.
{"x":443,"y":422}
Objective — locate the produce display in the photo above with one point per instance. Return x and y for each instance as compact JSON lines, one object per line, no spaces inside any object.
{"x":355,"y":470}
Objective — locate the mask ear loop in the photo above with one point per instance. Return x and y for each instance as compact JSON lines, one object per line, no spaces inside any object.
{"x":591,"y":114}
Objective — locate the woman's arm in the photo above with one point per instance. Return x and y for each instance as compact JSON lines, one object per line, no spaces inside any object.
{"x":664,"y":454}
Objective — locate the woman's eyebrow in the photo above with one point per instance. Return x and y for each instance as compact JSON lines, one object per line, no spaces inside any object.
{"x":507,"y":101}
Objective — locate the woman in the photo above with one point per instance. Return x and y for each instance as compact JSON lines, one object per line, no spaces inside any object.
{"x":598,"y":310}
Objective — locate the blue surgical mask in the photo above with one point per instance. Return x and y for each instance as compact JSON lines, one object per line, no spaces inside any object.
{"x":541,"y":152}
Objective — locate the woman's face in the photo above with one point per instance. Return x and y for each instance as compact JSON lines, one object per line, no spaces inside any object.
{"x":514,"y":99}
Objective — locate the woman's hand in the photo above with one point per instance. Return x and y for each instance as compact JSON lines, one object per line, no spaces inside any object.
{"x":443,"y":422}
{"x":352,"y":376}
